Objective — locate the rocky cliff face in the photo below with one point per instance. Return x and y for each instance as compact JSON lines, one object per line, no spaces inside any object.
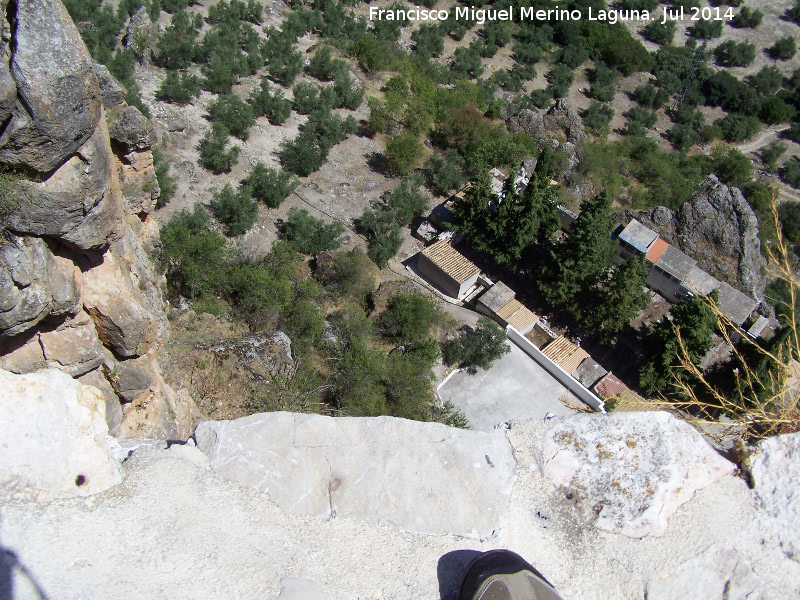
{"x":78,"y":291}
{"x":717,"y":228}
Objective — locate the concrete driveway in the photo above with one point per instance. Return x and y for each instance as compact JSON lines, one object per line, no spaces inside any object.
{"x":515,"y":387}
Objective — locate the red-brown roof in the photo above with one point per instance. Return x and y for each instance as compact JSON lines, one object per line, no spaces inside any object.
{"x":610,"y":387}
{"x":656,"y":250}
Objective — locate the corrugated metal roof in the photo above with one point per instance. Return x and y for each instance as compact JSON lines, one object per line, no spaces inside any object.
{"x":610,"y":386}
{"x":451,"y":261}
{"x":656,"y":250}
{"x":638,"y":236}
{"x":675,"y":262}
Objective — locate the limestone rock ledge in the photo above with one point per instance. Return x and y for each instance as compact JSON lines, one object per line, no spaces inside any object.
{"x":350,"y":504}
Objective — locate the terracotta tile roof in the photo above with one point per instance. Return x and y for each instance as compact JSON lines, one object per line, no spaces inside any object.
{"x":522,"y":319}
{"x":610,"y":387}
{"x":565,"y":354}
{"x":630,"y":401}
{"x":656,"y":250}
{"x":451,"y":261}
{"x":509,"y":309}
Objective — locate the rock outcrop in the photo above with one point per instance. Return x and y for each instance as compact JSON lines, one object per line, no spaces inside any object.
{"x":306,"y":487}
{"x":77,"y":289}
{"x":329,"y":467}
{"x":642,"y":470}
{"x":54,"y":437}
{"x":718,"y":229}
{"x":57,"y":104}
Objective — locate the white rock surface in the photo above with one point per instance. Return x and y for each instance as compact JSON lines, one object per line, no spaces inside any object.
{"x":629,"y":471}
{"x":422,"y":477}
{"x":177,"y":529}
{"x":775,"y":473}
{"x":53,"y":431}
{"x":719,"y":573}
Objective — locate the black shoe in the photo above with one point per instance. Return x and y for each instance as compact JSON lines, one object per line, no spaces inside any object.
{"x":504,"y":575}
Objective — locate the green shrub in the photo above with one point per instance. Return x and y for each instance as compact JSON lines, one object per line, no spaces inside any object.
{"x":559,"y":79}
{"x":269,"y":185}
{"x":306,"y":97}
{"x":344,"y":93}
{"x":706,"y":29}
{"x":310,"y":235}
{"x":219,"y":75}
{"x":193,"y":258}
{"x":178,"y":88}
{"x":767,"y":81}
{"x":428,"y":40}
{"x":648,"y":96}
{"x":735,"y":54}
{"x":774,"y":110}
{"x":177,"y":46}
{"x":409,"y":318}
{"x":790,"y":172}
{"x":407,"y":201}
{"x":783,"y":49}
{"x":793,"y":13}
{"x":382,"y":233}
{"x":214,"y":152}
{"x":236,"y":209}
{"x":737,"y":128}
{"x":604,"y":83}
{"x":771,"y":154}
{"x":597,"y":117}
{"x":402,"y":152}
{"x":444,"y":172}
{"x":269,"y":103}
{"x":467,"y":63}
{"x":731,"y":166}
{"x":348,"y":274}
{"x":322,"y":67}
{"x":283,"y":61}
{"x":789,"y":215}
{"x":167,"y":183}
{"x":304,"y":154}
{"x":233,"y":113}
{"x":747,"y":18}
{"x":658,"y":33}
{"x":477,"y":348}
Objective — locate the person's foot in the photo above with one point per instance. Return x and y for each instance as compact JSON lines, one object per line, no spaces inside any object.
{"x":504,"y":575}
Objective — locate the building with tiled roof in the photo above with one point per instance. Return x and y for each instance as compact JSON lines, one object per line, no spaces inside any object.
{"x":565,"y":353}
{"x":447,"y":269}
{"x":610,"y":387}
{"x":675,"y":275}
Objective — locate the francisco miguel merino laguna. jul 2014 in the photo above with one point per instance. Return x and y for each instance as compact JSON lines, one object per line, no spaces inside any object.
{"x":482,"y":15}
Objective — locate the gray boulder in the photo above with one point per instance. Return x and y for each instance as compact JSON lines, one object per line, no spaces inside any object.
{"x":112,"y":93}
{"x":130,"y":129}
{"x":59,"y":98}
{"x":446,"y":481}
{"x":718,"y":228}
{"x":528,"y":122}
{"x":628,"y":472}
{"x":80,"y":203}
{"x":54,"y":437}
{"x":34,"y":284}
